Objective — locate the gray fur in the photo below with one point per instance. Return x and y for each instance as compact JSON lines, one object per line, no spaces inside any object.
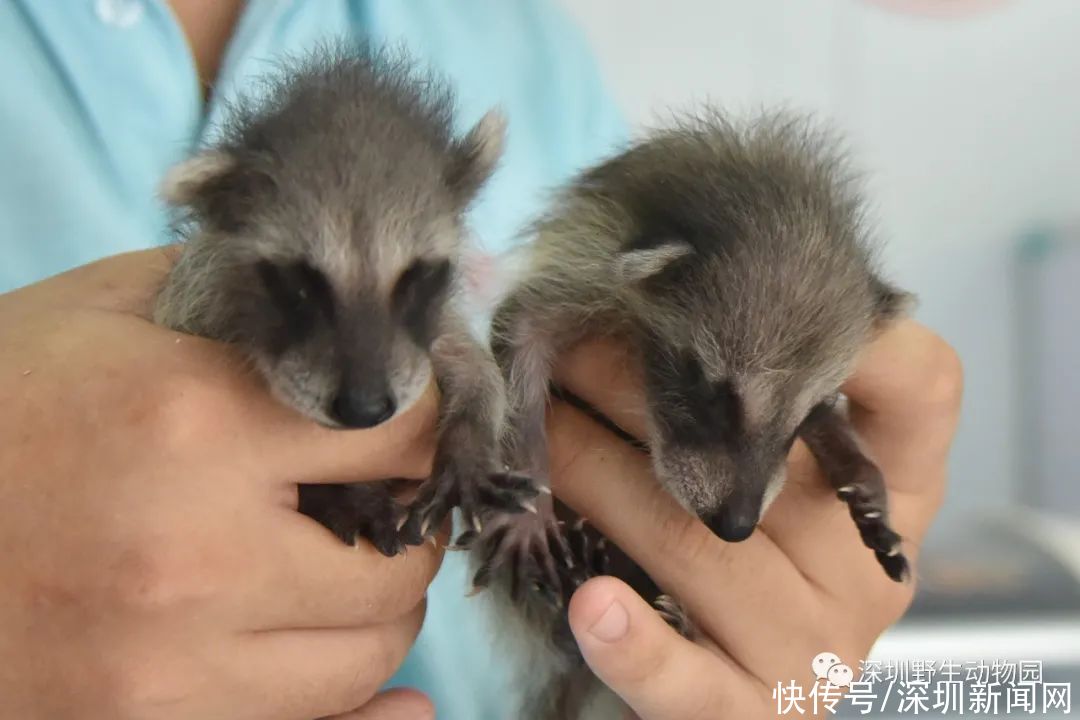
{"x":341,"y":162}
{"x":775,"y":291}
{"x":735,"y":259}
{"x":324,"y":231}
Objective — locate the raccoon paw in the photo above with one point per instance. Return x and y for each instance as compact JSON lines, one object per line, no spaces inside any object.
{"x":360,"y":511}
{"x":886,"y":544}
{"x":588,"y":557}
{"x":529,"y":548}
{"x":473,"y":491}
{"x":896,"y":566}
{"x":870,"y":514}
{"x":674,"y":615}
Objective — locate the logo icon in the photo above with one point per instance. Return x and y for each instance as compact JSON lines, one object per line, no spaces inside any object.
{"x":821,"y":664}
{"x":840,"y":675}
{"x":827,"y":666}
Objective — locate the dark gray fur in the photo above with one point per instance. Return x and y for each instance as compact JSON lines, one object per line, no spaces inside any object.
{"x":735,"y":259}
{"x":324,"y":231}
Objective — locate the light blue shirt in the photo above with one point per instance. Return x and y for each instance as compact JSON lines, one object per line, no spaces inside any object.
{"x":100,"y":97}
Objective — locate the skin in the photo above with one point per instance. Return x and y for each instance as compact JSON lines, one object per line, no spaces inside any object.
{"x":801,"y":584}
{"x":128,"y":595}
{"x":127,"y":591}
{"x":207,"y":26}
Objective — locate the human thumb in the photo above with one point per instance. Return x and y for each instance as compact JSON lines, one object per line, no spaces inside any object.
{"x":657,"y":672}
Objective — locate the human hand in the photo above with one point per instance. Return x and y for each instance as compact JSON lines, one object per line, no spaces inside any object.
{"x":802,"y":584}
{"x":151,"y":558}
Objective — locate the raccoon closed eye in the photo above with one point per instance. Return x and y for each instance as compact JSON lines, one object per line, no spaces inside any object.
{"x":708,"y":410}
{"x":725,"y":406}
{"x":418,"y":293}
{"x":296,"y":289}
{"x":716,"y":399}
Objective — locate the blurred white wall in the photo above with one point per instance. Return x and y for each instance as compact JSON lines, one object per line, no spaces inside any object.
{"x":969,"y":128}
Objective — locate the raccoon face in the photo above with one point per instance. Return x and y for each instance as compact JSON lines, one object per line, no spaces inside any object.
{"x":334,"y":278}
{"x":336,"y":300}
{"x":730,"y":376}
{"x":718,"y":446}
{"x":344,"y":359}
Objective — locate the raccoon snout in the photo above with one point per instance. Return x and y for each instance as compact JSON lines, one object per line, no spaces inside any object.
{"x":734,"y":521}
{"x":359,"y":406}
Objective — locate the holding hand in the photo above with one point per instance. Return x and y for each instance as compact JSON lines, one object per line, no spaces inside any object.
{"x":152,"y":561}
{"x":803,"y":583}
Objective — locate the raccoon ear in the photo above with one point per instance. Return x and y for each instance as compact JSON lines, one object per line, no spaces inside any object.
{"x":636,"y":265}
{"x":890,"y":302}
{"x":184,"y":182}
{"x":218,"y":187}
{"x":476,"y":155}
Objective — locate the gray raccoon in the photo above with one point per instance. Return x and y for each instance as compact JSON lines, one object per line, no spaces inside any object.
{"x":323,"y":235}
{"x":735,"y":260}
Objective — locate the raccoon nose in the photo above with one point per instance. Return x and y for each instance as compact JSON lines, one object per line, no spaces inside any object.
{"x":732,"y":524}
{"x":358,"y":408}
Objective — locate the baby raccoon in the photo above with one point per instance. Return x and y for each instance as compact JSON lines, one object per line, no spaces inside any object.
{"x":324,"y":231}
{"x":734,"y":260}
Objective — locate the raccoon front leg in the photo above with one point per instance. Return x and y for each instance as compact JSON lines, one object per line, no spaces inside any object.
{"x":532,"y":548}
{"x":468,"y":473}
{"x":366,"y":510}
{"x":828,"y":433}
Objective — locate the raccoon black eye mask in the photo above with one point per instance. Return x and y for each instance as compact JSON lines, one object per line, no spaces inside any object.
{"x":734,"y":261}
{"x":324,"y":233}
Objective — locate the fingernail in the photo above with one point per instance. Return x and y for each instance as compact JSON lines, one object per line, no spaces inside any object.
{"x":612,"y":625}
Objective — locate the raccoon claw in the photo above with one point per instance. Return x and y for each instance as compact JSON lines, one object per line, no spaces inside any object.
{"x":529,"y":548}
{"x":579,"y":553}
{"x":389,"y":544}
{"x":885,"y":543}
{"x":589,"y":548}
{"x":362,"y":511}
{"x":380,"y":530}
{"x":464,"y":541}
{"x":858,"y":482}
{"x":473,"y":493}
{"x":896,"y":565}
{"x":588,"y":557}
{"x":872,"y":522}
{"x":674,"y":615}
{"x":508,"y":493}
